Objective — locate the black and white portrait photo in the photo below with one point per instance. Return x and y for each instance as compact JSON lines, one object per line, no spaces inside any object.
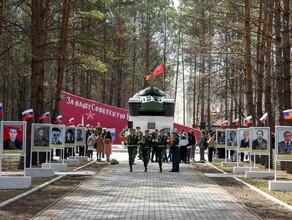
{"x":260,"y":139}
{"x":231,"y":138}
{"x":220,"y":136}
{"x":57,"y":136}
{"x":41,"y":135}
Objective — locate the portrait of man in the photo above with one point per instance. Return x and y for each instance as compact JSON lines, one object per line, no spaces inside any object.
{"x":259,"y":143}
{"x":244,"y":143}
{"x":69,"y":135}
{"x":41,"y":137}
{"x":232,"y":140}
{"x":221,"y":137}
{"x":285,"y":146}
{"x":12,"y":143}
{"x":79,"y":135}
{"x":56,"y":136}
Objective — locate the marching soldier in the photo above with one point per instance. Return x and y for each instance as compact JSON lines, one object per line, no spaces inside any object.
{"x":161,"y":147}
{"x":140,"y":137}
{"x":175,"y":152}
{"x":132,"y":141}
{"x":146,"y":148}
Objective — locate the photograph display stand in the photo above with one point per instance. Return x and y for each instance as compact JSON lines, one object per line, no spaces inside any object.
{"x":230,"y":145}
{"x":220,"y":145}
{"x":13,"y":144}
{"x":70,"y":145}
{"x":57,"y":139}
{"x":260,"y":145}
{"x":40,"y":142}
{"x":80,"y":140}
{"x":243,"y":147}
{"x":283,"y":152}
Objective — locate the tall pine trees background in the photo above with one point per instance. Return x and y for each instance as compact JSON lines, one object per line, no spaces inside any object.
{"x":232,"y":57}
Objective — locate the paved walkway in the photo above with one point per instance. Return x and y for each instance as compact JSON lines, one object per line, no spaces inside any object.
{"x":115,"y":193}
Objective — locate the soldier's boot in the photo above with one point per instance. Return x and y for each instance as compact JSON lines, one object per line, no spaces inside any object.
{"x":145,"y":169}
{"x":131,"y":170}
{"x":160,"y":167}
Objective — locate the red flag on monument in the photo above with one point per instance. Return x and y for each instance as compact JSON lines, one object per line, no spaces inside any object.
{"x":159,"y":70}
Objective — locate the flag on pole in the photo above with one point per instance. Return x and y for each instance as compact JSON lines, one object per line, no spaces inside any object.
{"x":236,"y":121}
{"x":1,"y":109}
{"x":45,"y":116}
{"x":71,"y":121}
{"x":59,"y":119}
{"x":248,"y":120}
{"x":27,"y":114}
{"x":287,"y":114}
{"x":148,"y":77}
{"x":159,"y":70}
{"x":224,"y":124}
{"x":264,"y":117}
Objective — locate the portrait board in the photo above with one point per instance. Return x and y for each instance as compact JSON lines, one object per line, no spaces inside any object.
{"x":40,"y":137}
{"x":231,"y":139}
{"x":220,"y":138}
{"x":70,"y":136}
{"x":283,"y":143}
{"x":260,"y":140}
{"x":57,"y":136}
{"x":13,"y":137}
{"x":243,"y":139}
{"x":80,"y":136}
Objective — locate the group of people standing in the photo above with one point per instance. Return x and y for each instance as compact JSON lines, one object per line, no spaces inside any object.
{"x":181,"y":147}
{"x":100,"y":140}
{"x":207,"y":142}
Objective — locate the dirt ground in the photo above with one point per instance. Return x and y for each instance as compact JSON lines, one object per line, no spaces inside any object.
{"x":258,"y":204}
{"x":29,"y":206}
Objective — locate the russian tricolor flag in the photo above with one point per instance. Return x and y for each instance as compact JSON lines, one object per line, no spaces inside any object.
{"x":224,"y":124}
{"x":71,"y":121}
{"x":59,"y":119}
{"x":248,"y":120}
{"x":45,"y":116}
{"x":264,"y":117}
{"x":1,"y":109}
{"x":287,"y":114}
{"x":27,"y":114}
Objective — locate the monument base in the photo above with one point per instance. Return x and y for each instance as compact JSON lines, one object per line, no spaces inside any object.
{"x":259,"y":174}
{"x":39,"y":172}
{"x":61,"y":167}
{"x":243,"y":169}
{"x":231,"y":164}
{"x":219,"y":160}
{"x":280,"y":186}
{"x":70,"y":162}
{"x":80,"y":158}
{"x":15,"y":182}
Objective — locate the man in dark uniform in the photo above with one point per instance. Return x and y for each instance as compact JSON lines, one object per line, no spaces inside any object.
{"x":161,"y":148}
{"x":41,"y":140}
{"x":175,"y":152}
{"x":12,"y":143}
{"x":132,"y":142}
{"x":146,"y":148}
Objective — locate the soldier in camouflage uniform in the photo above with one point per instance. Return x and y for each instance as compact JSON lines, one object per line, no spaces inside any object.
{"x":146,"y":148}
{"x":132,"y":141}
{"x":140,"y":137}
{"x":161,"y":147}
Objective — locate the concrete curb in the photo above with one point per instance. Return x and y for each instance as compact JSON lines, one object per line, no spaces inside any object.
{"x":266,"y":195}
{"x":7,"y":202}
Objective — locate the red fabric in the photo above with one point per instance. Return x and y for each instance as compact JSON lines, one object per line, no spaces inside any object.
{"x":148,"y":77}
{"x":76,"y":107}
{"x":180,"y":127}
{"x":159,"y":70}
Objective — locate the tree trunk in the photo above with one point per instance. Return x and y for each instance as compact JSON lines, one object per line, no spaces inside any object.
{"x":286,"y":58}
{"x":249,"y":92}
{"x":259,"y":64}
{"x":194,"y":93}
{"x":62,"y":54}
{"x":279,"y":58}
